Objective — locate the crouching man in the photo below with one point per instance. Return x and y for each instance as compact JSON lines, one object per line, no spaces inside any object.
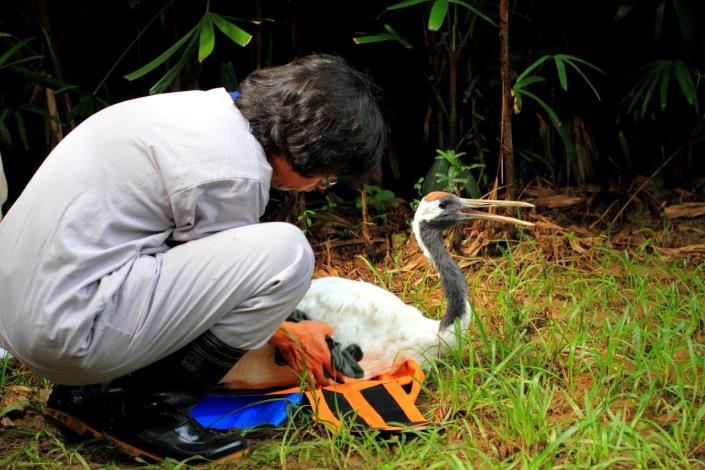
{"x":135,"y":272}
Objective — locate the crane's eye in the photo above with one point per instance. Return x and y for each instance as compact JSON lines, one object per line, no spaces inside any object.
{"x":443,"y":204}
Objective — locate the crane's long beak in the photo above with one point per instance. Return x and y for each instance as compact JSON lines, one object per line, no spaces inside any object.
{"x":470,"y":206}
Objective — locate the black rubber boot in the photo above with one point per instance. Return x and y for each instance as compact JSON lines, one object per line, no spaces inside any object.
{"x":82,"y":409}
{"x":151,"y":422}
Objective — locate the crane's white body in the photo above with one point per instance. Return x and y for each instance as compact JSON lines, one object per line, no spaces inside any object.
{"x":386,"y":329}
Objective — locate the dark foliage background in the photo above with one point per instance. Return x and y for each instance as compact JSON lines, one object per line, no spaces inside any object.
{"x":92,"y":45}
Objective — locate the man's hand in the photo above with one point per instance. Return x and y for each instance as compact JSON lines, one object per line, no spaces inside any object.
{"x":304,"y":348}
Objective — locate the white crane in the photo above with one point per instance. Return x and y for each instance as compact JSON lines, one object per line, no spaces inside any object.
{"x":387,"y":330}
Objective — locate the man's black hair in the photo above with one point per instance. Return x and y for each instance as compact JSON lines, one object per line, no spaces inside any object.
{"x":319,"y":112}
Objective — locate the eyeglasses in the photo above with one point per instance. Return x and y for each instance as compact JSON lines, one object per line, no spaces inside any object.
{"x":327,"y":181}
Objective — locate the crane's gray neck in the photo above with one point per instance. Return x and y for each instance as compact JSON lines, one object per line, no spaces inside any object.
{"x":452,"y":279}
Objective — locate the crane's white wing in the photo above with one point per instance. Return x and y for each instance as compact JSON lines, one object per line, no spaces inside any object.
{"x":387,"y":330}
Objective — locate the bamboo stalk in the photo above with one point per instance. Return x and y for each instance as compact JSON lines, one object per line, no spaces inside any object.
{"x":506,"y":146}
{"x":53,"y":110}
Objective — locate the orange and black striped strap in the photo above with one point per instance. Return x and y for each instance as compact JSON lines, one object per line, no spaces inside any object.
{"x":386,"y":403}
{"x":384,"y":406}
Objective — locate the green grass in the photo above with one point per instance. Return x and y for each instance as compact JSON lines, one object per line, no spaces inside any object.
{"x":577,"y":360}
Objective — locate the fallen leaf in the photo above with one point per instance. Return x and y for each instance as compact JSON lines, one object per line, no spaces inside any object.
{"x":557,"y":201}
{"x":686,"y":210}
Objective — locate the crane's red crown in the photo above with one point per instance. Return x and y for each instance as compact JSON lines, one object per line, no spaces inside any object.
{"x":432,"y":196}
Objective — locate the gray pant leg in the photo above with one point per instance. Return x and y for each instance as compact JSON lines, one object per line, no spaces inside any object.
{"x":240,"y":284}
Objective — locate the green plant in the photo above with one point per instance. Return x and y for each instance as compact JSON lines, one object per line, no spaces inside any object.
{"x":306,"y":219}
{"x":378,"y":198}
{"x":200,"y":38}
{"x":656,"y":75}
{"x":458,"y":176}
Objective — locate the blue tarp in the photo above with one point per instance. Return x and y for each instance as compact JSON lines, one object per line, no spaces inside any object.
{"x":244,"y":411}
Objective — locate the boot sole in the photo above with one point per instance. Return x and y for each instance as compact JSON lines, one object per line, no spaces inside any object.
{"x":80,"y":428}
{"x":72,"y":423}
{"x":137,"y":452}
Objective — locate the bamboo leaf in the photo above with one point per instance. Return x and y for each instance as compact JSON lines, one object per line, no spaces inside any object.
{"x":163,"y":57}
{"x":685,"y":81}
{"x":21,"y":61}
{"x":572,"y":59}
{"x":439,"y":10}
{"x":406,"y":4}
{"x":529,"y":81}
{"x":475,"y":10}
{"x":39,"y":78}
{"x":11,"y":51}
{"x":649,"y":73}
{"x":650,"y":91}
{"x":235,"y":33}
{"x":206,"y":38}
{"x":66,"y":88}
{"x":642,"y":84}
{"x":173,"y":72}
{"x":373,"y":38}
{"x":401,"y":40}
{"x":40,"y":112}
{"x":560,"y":68}
{"x":533,"y":67}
